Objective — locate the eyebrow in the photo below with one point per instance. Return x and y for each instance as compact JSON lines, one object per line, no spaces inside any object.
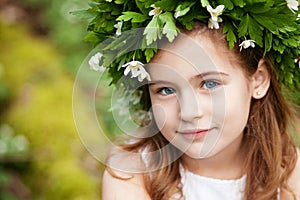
{"x":208,"y":73}
{"x":158,"y":82}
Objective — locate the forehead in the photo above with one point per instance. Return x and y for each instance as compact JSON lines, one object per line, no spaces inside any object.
{"x":192,"y":55}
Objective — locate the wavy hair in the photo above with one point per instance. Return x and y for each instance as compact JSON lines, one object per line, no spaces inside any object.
{"x":271,"y":152}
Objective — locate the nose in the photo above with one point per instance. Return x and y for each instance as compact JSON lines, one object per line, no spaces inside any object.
{"x":191,"y":107}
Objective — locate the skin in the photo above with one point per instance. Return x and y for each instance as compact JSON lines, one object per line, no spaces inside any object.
{"x":202,"y":97}
{"x":185,"y":97}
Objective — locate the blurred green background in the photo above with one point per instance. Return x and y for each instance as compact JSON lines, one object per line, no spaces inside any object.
{"x":41,"y":155}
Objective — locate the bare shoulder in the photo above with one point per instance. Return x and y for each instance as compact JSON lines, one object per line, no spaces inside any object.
{"x":294,"y":181}
{"x":114,"y":188}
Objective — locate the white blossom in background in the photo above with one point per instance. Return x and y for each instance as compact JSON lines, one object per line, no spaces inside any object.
{"x":297,"y":60}
{"x":137,"y":70}
{"x":247,"y":43}
{"x":136,"y":97}
{"x":20,"y":142}
{"x":155,"y":11}
{"x":214,"y":20}
{"x":94,"y":62}
{"x":118,"y":26}
{"x":293,"y":5}
{"x":141,"y":117}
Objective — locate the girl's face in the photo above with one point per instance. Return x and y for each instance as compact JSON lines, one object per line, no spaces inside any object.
{"x":200,"y":96}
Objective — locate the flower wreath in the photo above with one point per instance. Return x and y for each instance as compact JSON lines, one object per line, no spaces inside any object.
{"x":273,"y":25}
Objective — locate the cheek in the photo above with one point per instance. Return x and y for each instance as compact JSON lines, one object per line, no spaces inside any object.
{"x":165,"y":116}
{"x":237,"y":109}
{"x":159,"y":114}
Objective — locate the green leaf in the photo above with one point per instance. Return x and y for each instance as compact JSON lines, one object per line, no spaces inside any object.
{"x":83,"y":14}
{"x":94,"y":38}
{"x":93,"y":4}
{"x":166,"y":5}
{"x":249,"y":26}
{"x":149,"y":54}
{"x":133,"y":16}
{"x":184,"y":8}
{"x":260,"y":7}
{"x":119,"y":1}
{"x":255,"y":32}
{"x":227,"y":3}
{"x":239,"y":3}
{"x":243,"y":28}
{"x":153,"y":30}
{"x":268,"y":41}
{"x":183,"y":11}
{"x":169,"y":29}
{"x":231,"y":38}
{"x":204,"y":3}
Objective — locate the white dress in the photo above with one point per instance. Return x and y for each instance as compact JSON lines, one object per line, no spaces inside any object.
{"x":196,"y":187}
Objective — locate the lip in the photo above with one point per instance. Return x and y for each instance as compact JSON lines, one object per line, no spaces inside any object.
{"x":194,"y":134}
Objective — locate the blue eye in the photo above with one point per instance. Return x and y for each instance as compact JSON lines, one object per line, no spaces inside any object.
{"x":166,"y":91}
{"x":209,"y":84}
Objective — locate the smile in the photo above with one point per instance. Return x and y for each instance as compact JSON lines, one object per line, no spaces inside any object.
{"x":194,"y":134}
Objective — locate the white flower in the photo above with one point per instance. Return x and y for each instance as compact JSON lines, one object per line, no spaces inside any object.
{"x":215,"y":13}
{"x":94,"y":63}
{"x":180,"y":12}
{"x":137,"y":70}
{"x":214,"y":24}
{"x":247,"y":43}
{"x":293,"y":5}
{"x":177,"y":14}
{"x":156,"y":10}
{"x":118,"y":26}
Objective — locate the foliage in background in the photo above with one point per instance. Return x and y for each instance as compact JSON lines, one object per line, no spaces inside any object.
{"x":40,"y":108}
{"x":14,"y":149}
{"x":63,"y":29}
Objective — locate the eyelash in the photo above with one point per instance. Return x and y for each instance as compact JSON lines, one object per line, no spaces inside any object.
{"x":162,"y":91}
{"x":216,"y":84}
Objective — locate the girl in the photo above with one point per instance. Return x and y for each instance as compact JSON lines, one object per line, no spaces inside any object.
{"x":223,"y":109}
{"x":222,"y":124}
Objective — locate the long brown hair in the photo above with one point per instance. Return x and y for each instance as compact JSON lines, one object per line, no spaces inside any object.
{"x":271,"y":152}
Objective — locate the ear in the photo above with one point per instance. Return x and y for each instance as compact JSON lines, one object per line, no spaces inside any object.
{"x":260,"y":80}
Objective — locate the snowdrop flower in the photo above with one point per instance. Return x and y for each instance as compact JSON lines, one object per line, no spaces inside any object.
{"x":247,"y":43}
{"x":156,"y":10}
{"x":215,"y":13}
{"x":94,"y":63}
{"x":293,"y":5}
{"x":137,"y":70}
{"x":118,"y":26}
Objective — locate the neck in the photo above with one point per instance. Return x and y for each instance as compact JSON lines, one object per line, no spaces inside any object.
{"x":227,"y":164}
